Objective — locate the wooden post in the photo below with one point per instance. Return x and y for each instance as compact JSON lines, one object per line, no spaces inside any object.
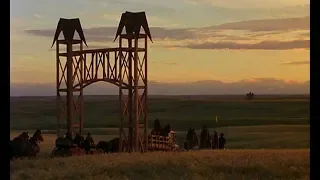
{"x":69,"y":88}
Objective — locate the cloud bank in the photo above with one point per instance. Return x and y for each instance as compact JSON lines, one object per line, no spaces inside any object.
{"x":251,"y":3}
{"x":253,"y":34}
{"x":301,"y":23}
{"x":264,"y":45}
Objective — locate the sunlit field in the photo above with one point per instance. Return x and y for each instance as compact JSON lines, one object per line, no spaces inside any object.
{"x":267,"y":138}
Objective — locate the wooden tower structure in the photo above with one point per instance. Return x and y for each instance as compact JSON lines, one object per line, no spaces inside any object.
{"x":124,"y":66}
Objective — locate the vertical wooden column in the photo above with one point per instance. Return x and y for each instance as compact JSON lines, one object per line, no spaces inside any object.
{"x":146,"y":93}
{"x":136,"y":95}
{"x":81,"y":103}
{"x":58,"y":100}
{"x":129,"y":104}
{"x":69,"y":88}
{"x":121,"y":138}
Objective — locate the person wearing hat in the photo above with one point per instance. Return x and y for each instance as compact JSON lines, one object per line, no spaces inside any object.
{"x":90,"y":140}
{"x":222,"y":141}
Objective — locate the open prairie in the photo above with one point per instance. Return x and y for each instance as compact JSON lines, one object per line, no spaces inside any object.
{"x":267,"y":138}
{"x":181,"y":112}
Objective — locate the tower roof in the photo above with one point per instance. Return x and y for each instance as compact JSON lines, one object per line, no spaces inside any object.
{"x":68,"y":27}
{"x":133,"y":22}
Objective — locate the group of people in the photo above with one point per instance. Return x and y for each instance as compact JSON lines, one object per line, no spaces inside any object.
{"x":211,"y":142}
{"x":78,"y":140}
{"x":218,"y":142}
{"x":206,"y":141}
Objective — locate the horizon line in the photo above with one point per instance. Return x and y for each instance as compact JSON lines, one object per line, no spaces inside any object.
{"x":174,"y":95}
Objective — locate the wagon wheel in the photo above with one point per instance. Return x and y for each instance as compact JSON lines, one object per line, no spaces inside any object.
{"x":65,"y":152}
{"x":54,"y":151}
{"x":61,"y":152}
{"x":57,"y":152}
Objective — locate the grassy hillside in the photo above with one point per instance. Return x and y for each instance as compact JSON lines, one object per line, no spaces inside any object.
{"x":201,"y":165}
{"x":181,"y":112}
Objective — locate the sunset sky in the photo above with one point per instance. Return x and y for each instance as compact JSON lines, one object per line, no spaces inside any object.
{"x":225,"y":41}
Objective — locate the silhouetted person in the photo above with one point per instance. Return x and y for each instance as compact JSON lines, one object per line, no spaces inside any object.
{"x":215,"y":140}
{"x":78,"y":140}
{"x":204,"y":138}
{"x":68,"y":136}
{"x":165,"y":130}
{"x":222,"y":141}
{"x":191,"y":140}
{"x":90,"y":140}
{"x":157,"y":126}
{"x":88,"y":143}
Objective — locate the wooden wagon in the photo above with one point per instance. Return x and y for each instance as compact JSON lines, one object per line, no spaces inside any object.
{"x":162,"y":143}
{"x":65,"y":147}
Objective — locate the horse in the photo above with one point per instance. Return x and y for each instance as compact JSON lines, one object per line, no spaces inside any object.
{"x":35,"y":140}
{"x":191,"y":140}
{"x":250,"y":96}
{"x":114,"y":145}
{"x":26,"y":147}
{"x":111,"y":146}
{"x":88,"y":143}
{"x":104,"y":145}
{"x":24,"y":135}
{"x":204,"y":138}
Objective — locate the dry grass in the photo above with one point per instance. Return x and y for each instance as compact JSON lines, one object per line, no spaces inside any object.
{"x":228,"y":164}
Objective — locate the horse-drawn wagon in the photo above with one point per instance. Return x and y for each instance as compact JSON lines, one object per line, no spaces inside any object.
{"x":156,"y":142}
{"x":66,"y":147}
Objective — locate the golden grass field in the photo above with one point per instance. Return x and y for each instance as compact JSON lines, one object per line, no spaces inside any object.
{"x":254,"y":152}
{"x":228,"y":164}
